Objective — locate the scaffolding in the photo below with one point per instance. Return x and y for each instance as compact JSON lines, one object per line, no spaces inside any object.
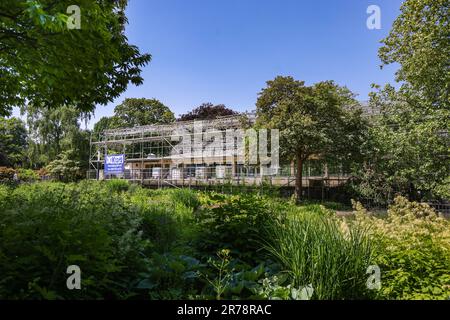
{"x":190,"y":153}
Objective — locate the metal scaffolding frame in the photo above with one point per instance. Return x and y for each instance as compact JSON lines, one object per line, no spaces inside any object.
{"x":155,"y":156}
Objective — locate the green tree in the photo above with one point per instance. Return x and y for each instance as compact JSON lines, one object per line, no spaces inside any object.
{"x":140,"y":112}
{"x":322,"y":120}
{"x":48,"y":126}
{"x":419,"y":42}
{"x":207,"y":111}
{"x":106,"y":123}
{"x":13,"y":142}
{"x":79,"y":142}
{"x":43,"y":62}
{"x":53,"y":131}
{"x":407,"y":151}
{"x":64,"y":168}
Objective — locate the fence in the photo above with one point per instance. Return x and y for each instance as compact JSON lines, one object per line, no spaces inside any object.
{"x":443,"y":208}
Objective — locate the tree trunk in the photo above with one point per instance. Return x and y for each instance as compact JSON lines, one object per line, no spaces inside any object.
{"x":298,"y":180}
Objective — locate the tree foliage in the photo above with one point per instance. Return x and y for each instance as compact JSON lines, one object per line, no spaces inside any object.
{"x":322,"y":120}
{"x":13,"y":141}
{"x":419,"y":42}
{"x":106,"y":123}
{"x":140,"y":112}
{"x":43,"y":62}
{"x":53,"y":131}
{"x":136,"y":112}
{"x":207,"y":111}
{"x":408,"y":149}
{"x":64,"y":168}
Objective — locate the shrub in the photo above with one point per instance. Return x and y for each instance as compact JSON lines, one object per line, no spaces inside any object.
{"x":161,"y":226}
{"x":64,"y":168}
{"x":46,"y":227}
{"x":443,"y":189}
{"x":165,"y":222}
{"x":327,"y":204}
{"x":42,"y":172}
{"x":27,"y":175}
{"x":413,"y":251}
{"x":133,"y":242}
{"x":171,"y":276}
{"x":6,"y":175}
{"x":314,"y":250}
{"x":234,"y":222}
{"x":4,"y":191}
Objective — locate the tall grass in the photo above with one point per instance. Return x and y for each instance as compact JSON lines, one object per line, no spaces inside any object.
{"x":117,"y":185}
{"x":187,"y":197}
{"x":315,"y":249}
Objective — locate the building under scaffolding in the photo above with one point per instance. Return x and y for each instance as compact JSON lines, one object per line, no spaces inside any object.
{"x":190,"y":153}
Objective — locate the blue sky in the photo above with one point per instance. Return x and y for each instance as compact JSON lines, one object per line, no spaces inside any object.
{"x":223,"y":51}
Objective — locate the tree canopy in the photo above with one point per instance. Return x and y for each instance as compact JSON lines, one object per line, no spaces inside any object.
{"x":320,"y":120}
{"x":140,"y":112}
{"x":407,"y":148}
{"x":13,"y":141}
{"x":136,"y":112}
{"x":54,"y":130}
{"x":45,"y":63}
{"x":207,"y":111}
{"x":64,"y":168}
{"x":106,"y":123}
{"x":419,"y":42}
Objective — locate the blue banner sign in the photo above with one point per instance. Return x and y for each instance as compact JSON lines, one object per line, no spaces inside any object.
{"x":114,"y":163}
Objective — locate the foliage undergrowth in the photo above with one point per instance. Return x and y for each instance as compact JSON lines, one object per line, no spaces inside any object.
{"x":412,"y":250}
{"x":319,"y":250}
{"x":136,"y":243}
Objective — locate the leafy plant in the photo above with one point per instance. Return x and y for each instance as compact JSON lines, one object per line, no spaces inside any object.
{"x":234,"y":222}
{"x":271,"y":288}
{"x":170,"y":276}
{"x":7,"y":175}
{"x":64,"y":168}
{"x":224,"y":273}
{"x":187,"y":197}
{"x":412,"y":251}
{"x":46,"y":227}
{"x":27,"y":175}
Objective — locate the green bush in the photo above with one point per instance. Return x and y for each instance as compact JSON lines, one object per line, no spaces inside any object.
{"x":413,"y":251}
{"x":46,"y":227}
{"x":27,"y":175}
{"x":161,"y":225}
{"x":327,"y":204}
{"x":6,"y":175}
{"x":165,"y":221}
{"x":171,"y":277}
{"x":132,"y":242}
{"x":234,"y":222}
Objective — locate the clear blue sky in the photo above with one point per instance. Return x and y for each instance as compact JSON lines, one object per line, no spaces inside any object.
{"x":223,"y":51}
